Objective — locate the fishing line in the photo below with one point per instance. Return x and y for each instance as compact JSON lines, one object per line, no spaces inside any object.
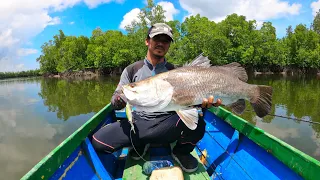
{"x":231,"y":156}
{"x":209,"y":164}
{"x":159,"y":168}
{"x":275,"y":115}
{"x":297,"y":119}
{"x":137,"y":151}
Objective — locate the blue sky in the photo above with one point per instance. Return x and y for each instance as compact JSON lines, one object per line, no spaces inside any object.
{"x":28,"y":24}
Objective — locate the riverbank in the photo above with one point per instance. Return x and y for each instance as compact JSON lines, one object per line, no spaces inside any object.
{"x":286,"y":71}
{"x":89,"y":73}
{"x":93,"y":73}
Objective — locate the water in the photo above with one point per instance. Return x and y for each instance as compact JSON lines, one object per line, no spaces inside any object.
{"x":37,"y":114}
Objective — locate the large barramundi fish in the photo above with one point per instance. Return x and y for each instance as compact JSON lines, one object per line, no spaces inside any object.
{"x":182,"y":88}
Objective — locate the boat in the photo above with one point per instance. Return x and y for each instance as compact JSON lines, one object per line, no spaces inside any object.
{"x":231,"y":148}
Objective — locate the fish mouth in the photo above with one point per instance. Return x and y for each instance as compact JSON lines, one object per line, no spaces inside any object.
{"x":126,"y":93}
{"x":122,"y":95}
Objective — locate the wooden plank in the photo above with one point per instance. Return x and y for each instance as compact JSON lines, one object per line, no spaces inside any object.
{"x":50,"y":163}
{"x":303,"y":164}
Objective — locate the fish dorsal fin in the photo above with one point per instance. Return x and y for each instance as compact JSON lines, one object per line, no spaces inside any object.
{"x":236,"y":69}
{"x":189,"y":117}
{"x":200,"y":61}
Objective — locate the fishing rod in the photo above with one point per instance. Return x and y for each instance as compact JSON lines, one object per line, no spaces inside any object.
{"x":297,"y":119}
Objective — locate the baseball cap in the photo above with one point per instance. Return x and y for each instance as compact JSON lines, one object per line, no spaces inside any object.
{"x":160,"y":28}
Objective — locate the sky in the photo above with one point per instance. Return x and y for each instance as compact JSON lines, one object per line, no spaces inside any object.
{"x":28,"y":24}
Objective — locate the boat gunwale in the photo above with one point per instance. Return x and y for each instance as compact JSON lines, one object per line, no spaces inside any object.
{"x":301,"y":163}
{"x":47,"y":166}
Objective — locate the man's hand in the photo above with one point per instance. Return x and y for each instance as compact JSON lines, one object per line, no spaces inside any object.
{"x":207,"y":103}
{"x":117,"y":102}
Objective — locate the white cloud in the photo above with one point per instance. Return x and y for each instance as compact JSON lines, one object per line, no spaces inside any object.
{"x":26,"y":51}
{"x":20,"y":67}
{"x":8,"y":65}
{"x":259,"y":24}
{"x":315,"y":7}
{"x":22,"y":20}
{"x":133,"y":14}
{"x":95,"y":3}
{"x":6,"y":38}
{"x":170,"y":10}
{"x":71,"y":23}
{"x":259,"y":10}
{"x":54,"y":21}
{"x":130,"y":17}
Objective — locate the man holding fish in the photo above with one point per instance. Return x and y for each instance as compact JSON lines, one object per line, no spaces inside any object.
{"x":163,"y":98}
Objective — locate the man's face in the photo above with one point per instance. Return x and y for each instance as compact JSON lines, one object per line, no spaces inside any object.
{"x":159,"y":45}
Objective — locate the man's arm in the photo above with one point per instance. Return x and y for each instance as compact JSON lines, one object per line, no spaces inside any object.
{"x":116,"y":101}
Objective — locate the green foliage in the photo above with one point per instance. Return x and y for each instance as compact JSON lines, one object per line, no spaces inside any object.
{"x":28,"y":73}
{"x":316,"y":23}
{"x":234,"y":39}
{"x":72,"y":53}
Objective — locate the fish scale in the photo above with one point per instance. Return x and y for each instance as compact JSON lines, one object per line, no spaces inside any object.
{"x":204,"y":82}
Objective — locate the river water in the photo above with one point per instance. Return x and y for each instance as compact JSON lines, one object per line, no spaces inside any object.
{"x":36,"y":114}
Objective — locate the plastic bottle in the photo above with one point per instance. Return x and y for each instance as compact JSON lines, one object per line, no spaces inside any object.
{"x":149,"y":166}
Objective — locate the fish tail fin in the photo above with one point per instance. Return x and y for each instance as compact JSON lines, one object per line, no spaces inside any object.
{"x":262,"y":100}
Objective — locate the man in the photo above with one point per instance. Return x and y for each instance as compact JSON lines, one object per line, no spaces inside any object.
{"x":152,"y":127}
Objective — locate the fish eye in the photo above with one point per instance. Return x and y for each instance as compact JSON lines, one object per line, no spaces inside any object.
{"x":132,"y":85}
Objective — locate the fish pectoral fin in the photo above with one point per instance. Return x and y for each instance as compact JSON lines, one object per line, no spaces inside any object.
{"x":239,"y":106}
{"x":189,"y":117}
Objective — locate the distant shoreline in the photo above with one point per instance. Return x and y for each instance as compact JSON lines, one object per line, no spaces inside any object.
{"x":91,"y":73}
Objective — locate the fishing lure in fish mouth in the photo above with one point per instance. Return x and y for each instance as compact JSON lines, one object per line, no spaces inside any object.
{"x":129,"y":116}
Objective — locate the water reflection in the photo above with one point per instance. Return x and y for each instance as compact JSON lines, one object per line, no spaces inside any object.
{"x":75,"y":97}
{"x":295,"y":97}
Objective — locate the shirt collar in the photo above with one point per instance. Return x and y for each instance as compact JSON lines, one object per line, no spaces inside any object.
{"x":159,"y":65}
